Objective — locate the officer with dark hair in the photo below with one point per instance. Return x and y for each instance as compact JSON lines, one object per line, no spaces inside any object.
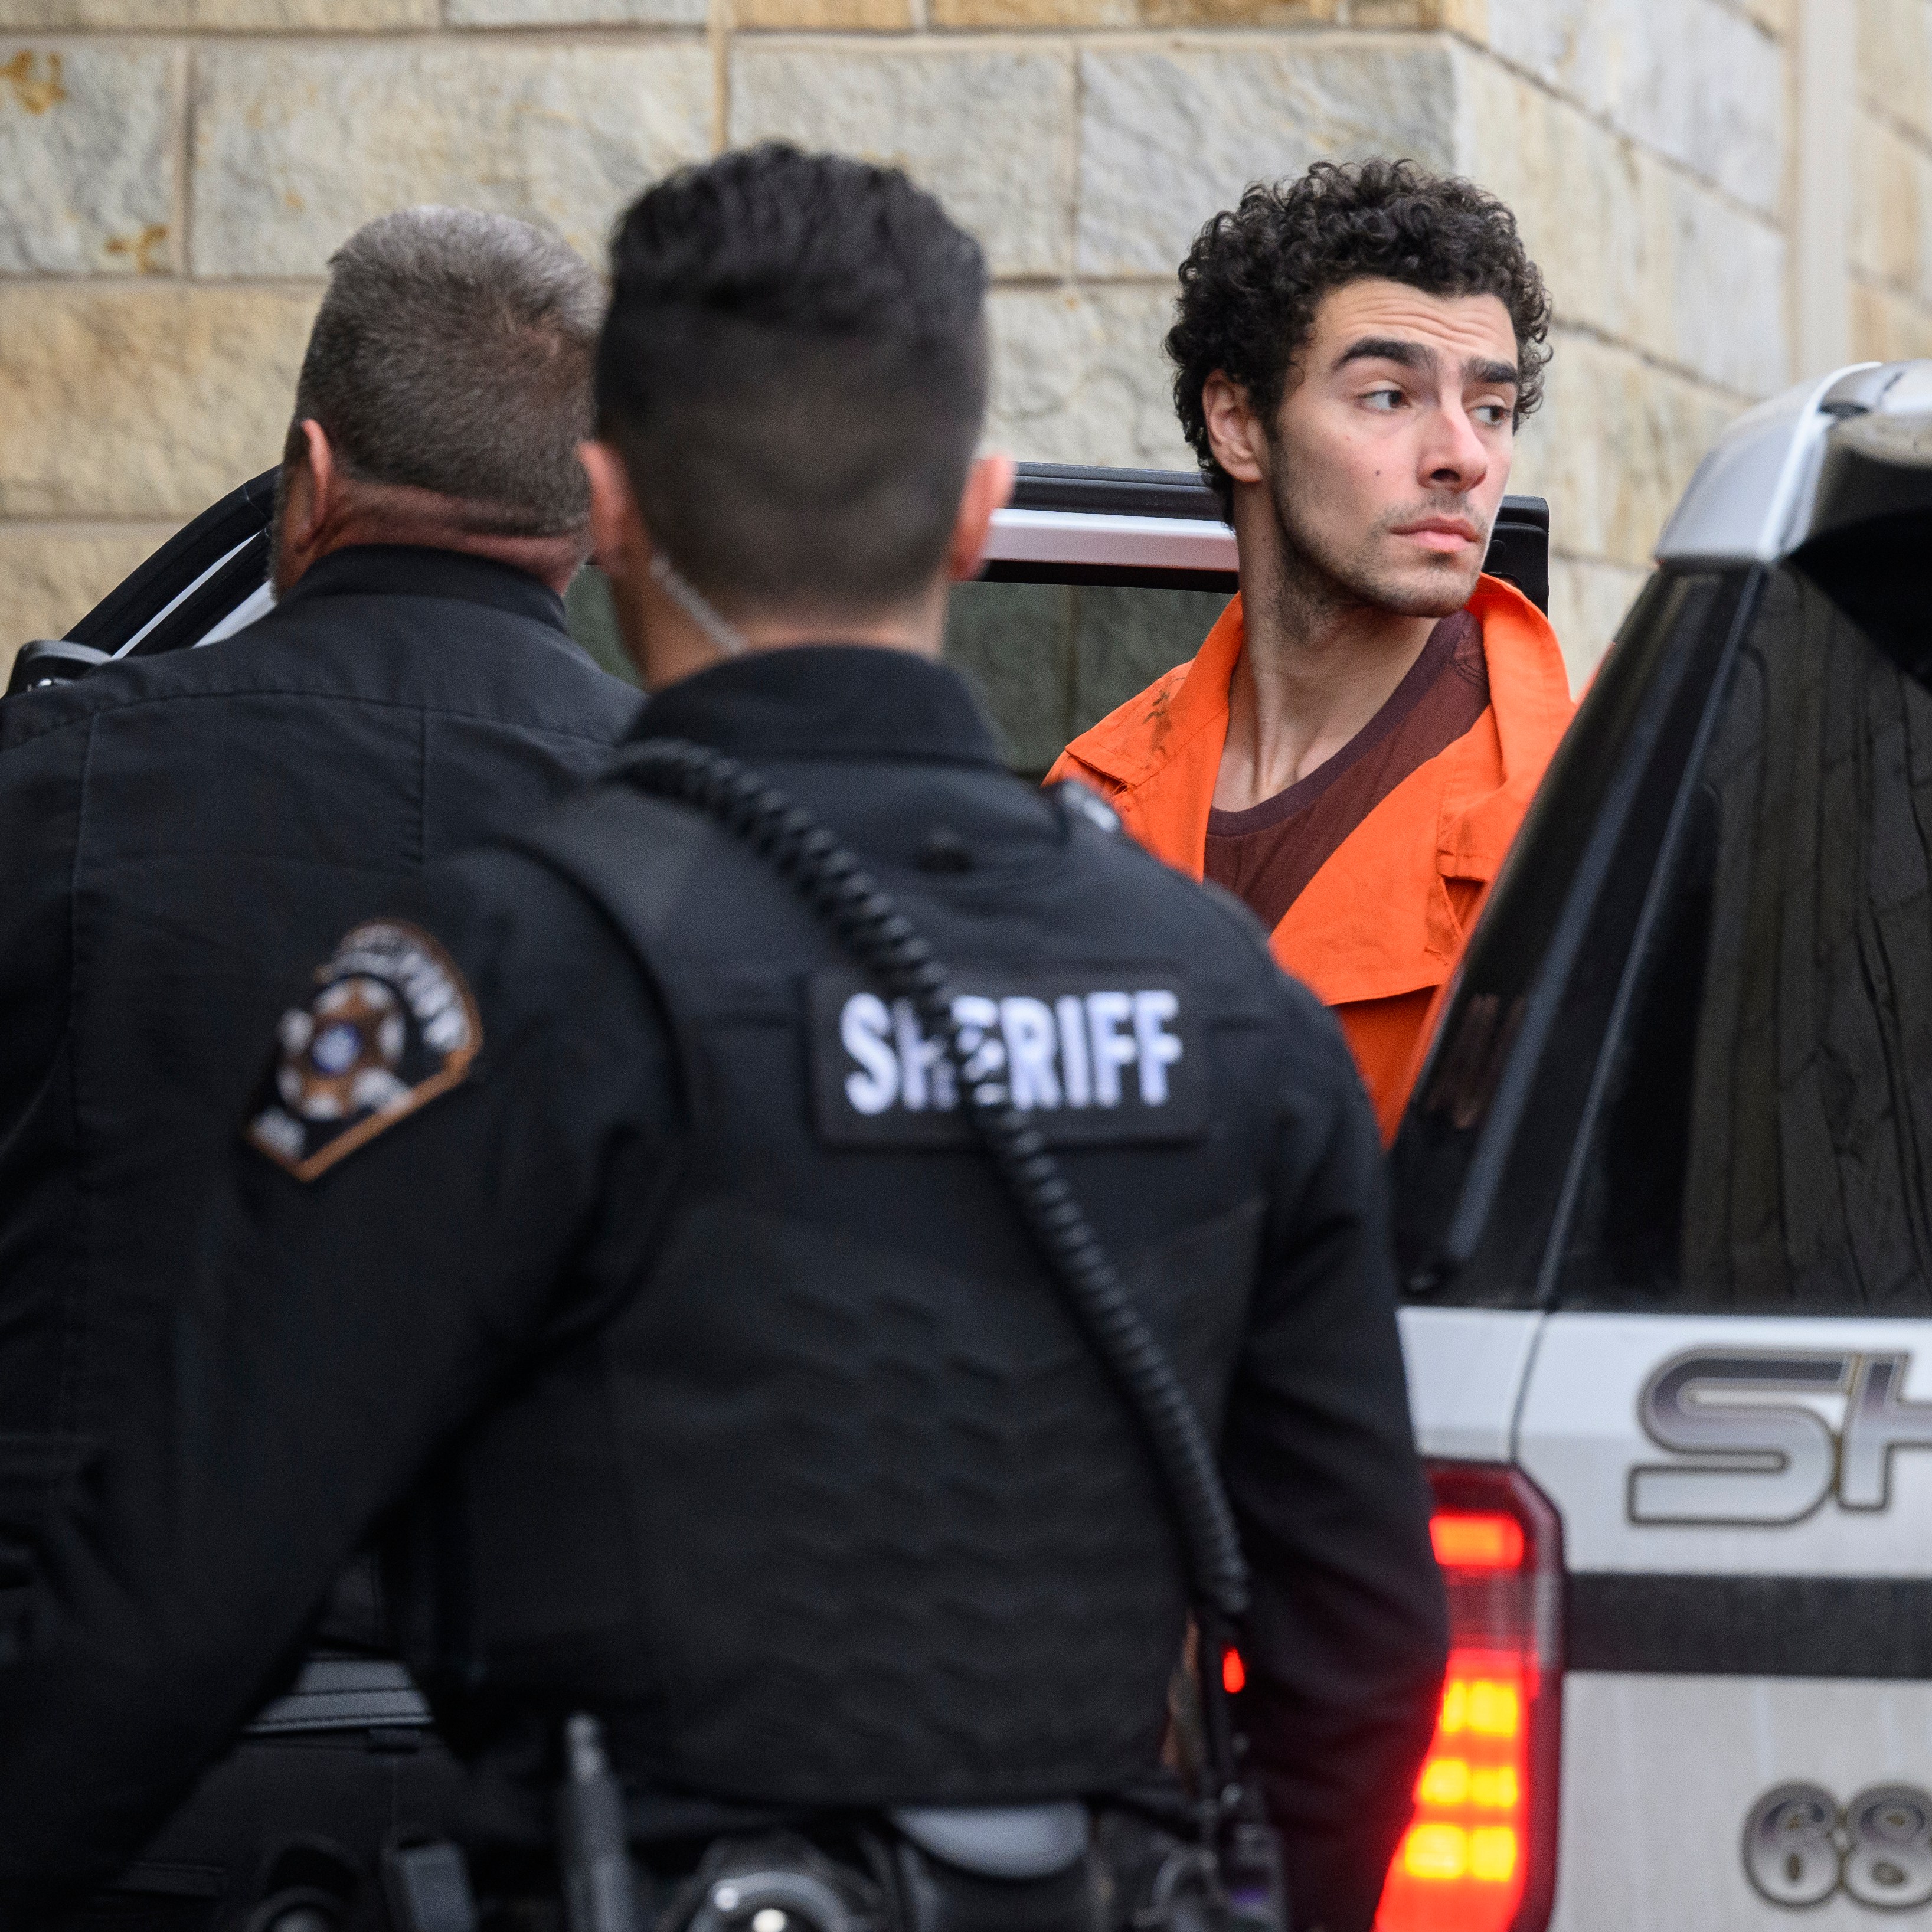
{"x":811,"y":1257}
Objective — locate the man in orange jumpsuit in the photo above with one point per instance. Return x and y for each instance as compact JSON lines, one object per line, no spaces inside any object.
{"x":1353,"y":747}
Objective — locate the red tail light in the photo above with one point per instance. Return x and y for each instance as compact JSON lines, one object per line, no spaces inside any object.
{"x":1480,"y":1854}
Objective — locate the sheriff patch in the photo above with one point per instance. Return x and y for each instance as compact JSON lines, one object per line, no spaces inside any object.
{"x":1095,"y":1055}
{"x":392,"y":1025}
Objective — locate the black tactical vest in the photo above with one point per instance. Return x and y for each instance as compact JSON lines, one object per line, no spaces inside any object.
{"x":839,"y":1510}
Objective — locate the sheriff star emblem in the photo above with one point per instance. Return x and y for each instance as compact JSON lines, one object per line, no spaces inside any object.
{"x":392,"y":1025}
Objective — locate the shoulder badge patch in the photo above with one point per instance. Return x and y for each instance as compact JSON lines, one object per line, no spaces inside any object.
{"x":392,"y":1025}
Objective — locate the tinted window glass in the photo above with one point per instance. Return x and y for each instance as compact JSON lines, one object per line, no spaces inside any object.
{"x":1050,"y":659}
{"x":1480,"y":1161}
{"x":1767,"y":1122}
{"x":1047,"y":659}
{"x":593,"y":621}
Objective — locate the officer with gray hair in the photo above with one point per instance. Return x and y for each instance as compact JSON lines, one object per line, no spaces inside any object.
{"x":445,"y":392}
{"x":182,"y":836}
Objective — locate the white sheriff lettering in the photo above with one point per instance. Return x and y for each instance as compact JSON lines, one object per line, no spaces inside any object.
{"x":1031,"y":1037}
{"x":864,"y":1031}
{"x":1069,"y":1055}
{"x":1156,"y":1048}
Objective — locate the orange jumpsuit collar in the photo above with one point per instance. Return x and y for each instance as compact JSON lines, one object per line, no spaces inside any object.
{"x":1377,"y":921}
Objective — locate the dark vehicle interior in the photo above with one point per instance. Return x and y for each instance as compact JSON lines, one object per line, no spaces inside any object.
{"x":1051,"y":647}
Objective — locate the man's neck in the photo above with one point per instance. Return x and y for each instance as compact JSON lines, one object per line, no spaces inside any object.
{"x":672,"y":631}
{"x":1316,"y":667}
{"x":390,"y":514}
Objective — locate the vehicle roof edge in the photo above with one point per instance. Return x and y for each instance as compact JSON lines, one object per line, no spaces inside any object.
{"x":1752,"y":498}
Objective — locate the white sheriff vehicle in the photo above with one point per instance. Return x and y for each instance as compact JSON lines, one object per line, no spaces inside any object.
{"x":1663,"y":1195}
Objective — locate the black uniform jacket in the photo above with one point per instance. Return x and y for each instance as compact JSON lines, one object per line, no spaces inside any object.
{"x":350,"y":1330}
{"x":181,"y":839}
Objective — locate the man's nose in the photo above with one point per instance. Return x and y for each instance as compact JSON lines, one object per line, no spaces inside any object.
{"x":1454,"y":456}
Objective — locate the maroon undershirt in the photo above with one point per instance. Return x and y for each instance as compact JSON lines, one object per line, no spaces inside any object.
{"x":1268,"y":853}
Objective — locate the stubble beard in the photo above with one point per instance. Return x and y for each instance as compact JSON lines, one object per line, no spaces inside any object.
{"x":1317,"y":580}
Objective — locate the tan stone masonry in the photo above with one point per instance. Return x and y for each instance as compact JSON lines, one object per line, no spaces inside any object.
{"x":174,"y":174}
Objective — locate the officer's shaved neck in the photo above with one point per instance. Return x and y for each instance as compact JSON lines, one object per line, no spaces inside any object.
{"x":668,"y":640}
{"x":320,"y":509}
{"x":672,"y":629}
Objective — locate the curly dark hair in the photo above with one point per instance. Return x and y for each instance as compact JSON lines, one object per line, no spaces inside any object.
{"x":1251,"y":282}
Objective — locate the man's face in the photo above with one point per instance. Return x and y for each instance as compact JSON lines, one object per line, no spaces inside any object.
{"x":1391,"y":452}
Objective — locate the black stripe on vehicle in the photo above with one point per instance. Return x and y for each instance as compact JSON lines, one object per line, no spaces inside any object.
{"x":1750,"y":1626}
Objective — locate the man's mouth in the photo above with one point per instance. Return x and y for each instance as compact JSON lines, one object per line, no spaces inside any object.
{"x":1445,"y":534}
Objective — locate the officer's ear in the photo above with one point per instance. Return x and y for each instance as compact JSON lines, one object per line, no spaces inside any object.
{"x":618,"y":542}
{"x":306,"y":502}
{"x":989,"y":484}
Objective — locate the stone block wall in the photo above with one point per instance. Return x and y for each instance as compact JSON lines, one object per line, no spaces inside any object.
{"x":174,"y":174}
{"x":1892,"y":232}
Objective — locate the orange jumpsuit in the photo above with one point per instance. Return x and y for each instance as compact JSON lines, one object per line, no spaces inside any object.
{"x":1377,"y":931}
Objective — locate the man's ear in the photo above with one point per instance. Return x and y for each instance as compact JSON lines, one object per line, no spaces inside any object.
{"x":307,"y":496}
{"x":1237,"y":436}
{"x":989,"y":483}
{"x":621,"y":546}
{"x":325,"y":482}
{"x":619,"y":543}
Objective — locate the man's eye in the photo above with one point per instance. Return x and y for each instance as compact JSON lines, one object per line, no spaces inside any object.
{"x":1491,"y":415}
{"x":1384,"y":399}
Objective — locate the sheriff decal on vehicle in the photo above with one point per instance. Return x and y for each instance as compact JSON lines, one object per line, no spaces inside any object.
{"x":1093,"y":1056}
{"x":1762,"y":1454}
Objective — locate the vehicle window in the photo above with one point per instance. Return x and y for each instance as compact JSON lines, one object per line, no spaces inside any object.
{"x":588,"y":611}
{"x":1046,"y":659}
{"x":1764,"y":1141}
{"x":1480,"y":1163}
